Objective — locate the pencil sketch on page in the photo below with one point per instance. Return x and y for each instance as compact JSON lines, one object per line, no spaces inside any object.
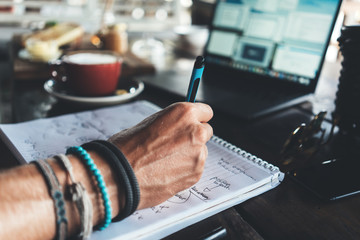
{"x":43,"y":138}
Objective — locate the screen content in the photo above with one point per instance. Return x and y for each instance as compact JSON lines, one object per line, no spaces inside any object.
{"x":286,"y":39}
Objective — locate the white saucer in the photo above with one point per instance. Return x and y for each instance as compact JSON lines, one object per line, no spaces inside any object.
{"x":58,"y":90}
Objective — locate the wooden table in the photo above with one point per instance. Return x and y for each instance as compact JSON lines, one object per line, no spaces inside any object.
{"x":286,"y":212}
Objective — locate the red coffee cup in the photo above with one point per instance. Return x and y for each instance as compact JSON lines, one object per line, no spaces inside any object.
{"x":89,"y":73}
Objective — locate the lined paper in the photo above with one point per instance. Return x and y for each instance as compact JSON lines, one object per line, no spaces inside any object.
{"x":227,"y":176}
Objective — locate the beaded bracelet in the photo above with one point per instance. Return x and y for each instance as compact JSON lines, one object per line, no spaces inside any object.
{"x":129,"y":170}
{"x":85,"y":157}
{"x":80,"y":197}
{"x":121,"y":175}
{"x":57,"y":195}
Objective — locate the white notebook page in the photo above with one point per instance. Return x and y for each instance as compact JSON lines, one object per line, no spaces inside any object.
{"x":42,"y":138}
{"x":231,"y":175}
{"x":226,"y":180}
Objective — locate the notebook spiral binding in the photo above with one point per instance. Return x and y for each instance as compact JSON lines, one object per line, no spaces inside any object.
{"x":245,"y":154}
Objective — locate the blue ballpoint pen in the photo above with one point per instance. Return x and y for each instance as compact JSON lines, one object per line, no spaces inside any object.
{"x":195,"y":78}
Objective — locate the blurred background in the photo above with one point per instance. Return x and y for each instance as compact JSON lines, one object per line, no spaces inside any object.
{"x":154,"y":29}
{"x":146,"y":17}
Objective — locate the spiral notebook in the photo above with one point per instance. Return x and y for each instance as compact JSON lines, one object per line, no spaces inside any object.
{"x":231,"y":175}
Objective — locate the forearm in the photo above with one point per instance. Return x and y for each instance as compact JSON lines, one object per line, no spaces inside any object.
{"x":166,"y":151}
{"x":27,"y":210}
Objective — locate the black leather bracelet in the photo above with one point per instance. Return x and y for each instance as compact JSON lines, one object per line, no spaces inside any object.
{"x":121,"y":175}
{"x":129,"y":170}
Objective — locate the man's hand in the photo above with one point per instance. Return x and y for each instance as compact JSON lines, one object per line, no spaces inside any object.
{"x":167,"y":150}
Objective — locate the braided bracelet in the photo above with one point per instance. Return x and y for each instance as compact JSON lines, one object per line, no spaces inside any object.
{"x":57,"y":195}
{"x":129,"y":171}
{"x":80,"y":197}
{"x":121,"y":176}
{"x":85,"y":157}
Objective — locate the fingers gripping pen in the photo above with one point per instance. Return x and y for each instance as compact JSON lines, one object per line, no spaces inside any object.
{"x":195,"y":79}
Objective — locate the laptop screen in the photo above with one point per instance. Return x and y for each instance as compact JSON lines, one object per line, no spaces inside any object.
{"x":283,"y":39}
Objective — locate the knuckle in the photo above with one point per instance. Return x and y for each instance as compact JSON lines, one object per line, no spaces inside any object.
{"x":202,"y":134}
{"x":182,"y":106}
{"x":187,"y":108}
{"x":207,"y":108}
{"x":183,"y":110}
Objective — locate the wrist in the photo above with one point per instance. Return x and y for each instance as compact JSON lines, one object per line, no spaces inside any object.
{"x":123,"y":172}
{"x":86,"y":178}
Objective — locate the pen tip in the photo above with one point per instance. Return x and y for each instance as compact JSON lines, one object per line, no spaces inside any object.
{"x":200,"y":58}
{"x":200,"y":61}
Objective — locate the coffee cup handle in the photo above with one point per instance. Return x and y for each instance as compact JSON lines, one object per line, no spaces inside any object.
{"x":57,"y":71}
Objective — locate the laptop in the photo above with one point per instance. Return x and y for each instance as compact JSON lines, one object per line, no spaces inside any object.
{"x":261,"y":56}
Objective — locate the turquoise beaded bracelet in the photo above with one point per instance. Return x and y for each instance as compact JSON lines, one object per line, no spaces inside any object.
{"x":85,"y":157}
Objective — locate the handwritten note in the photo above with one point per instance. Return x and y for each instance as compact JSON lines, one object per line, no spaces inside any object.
{"x":230,"y":176}
{"x":227,"y":177}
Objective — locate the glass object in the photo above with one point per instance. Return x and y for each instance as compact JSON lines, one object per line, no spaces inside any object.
{"x":148,"y":47}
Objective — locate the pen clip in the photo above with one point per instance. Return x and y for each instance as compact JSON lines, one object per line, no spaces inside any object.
{"x":194,"y":90}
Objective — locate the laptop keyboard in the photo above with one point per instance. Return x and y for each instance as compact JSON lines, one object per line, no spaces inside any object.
{"x":245,"y":101}
{"x":259,"y":93}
